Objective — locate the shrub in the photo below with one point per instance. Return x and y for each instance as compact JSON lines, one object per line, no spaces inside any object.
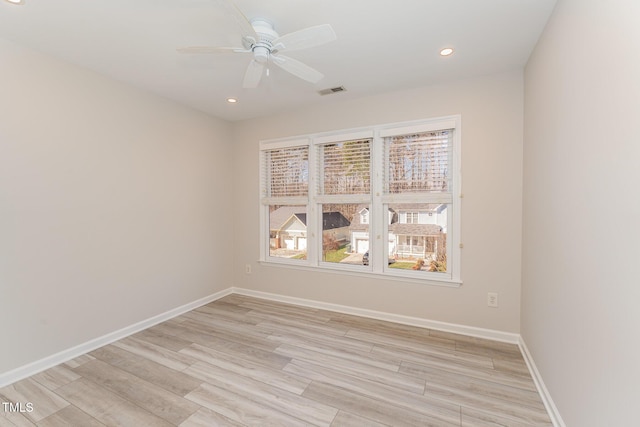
{"x":329,"y":243}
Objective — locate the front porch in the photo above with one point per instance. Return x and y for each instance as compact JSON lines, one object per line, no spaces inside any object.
{"x":418,"y":247}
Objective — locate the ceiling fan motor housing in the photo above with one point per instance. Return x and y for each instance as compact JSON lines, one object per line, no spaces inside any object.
{"x":263,"y":48}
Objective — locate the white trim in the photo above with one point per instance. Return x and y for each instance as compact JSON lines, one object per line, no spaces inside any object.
{"x":275,"y":144}
{"x":358,"y":199}
{"x":431,"y":125}
{"x":343,"y":137}
{"x":33,"y":368}
{"x":432,"y":198}
{"x":471,"y":331}
{"x":454,"y":223}
{"x":419,"y":278}
{"x":294,"y":200}
{"x":549,"y":405}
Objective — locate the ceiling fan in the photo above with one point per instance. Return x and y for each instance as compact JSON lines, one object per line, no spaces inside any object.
{"x":263,"y":42}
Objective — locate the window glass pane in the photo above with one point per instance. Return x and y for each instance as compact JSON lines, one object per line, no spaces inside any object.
{"x":418,"y":162}
{"x":345,"y":233}
{"x":418,"y":236}
{"x":345,"y":167}
{"x":288,"y":231}
{"x":287,"y":172}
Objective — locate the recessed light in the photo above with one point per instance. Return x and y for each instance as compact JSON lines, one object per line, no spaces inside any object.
{"x":232,"y":100}
{"x":16,"y":1}
{"x":446,"y":51}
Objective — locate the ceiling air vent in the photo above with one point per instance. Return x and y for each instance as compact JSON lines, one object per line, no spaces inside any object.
{"x":331,"y":90}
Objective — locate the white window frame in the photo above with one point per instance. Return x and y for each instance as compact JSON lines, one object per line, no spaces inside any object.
{"x":378,"y":203}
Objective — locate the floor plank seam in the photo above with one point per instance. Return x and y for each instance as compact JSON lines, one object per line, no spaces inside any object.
{"x":244,"y":361}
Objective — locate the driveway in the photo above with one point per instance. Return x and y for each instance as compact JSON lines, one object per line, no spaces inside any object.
{"x":353,"y":259}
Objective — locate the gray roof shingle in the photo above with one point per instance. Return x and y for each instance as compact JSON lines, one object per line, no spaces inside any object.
{"x":330,"y":220}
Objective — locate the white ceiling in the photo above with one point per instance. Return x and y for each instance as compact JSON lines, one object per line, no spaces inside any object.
{"x":382,"y":45}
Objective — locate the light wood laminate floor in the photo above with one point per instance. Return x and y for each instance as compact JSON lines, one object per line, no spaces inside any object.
{"x":242,"y":361}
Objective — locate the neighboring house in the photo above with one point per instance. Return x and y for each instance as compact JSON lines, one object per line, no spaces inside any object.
{"x":416,"y":230}
{"x":288,"y":227}
{"x":359,"y":230}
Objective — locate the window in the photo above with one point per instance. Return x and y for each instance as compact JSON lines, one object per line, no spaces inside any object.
{"x":411,"y":218}
{"x":383,"y":200}
{"x":285,"y":189}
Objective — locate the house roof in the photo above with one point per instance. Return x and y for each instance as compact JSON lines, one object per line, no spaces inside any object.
{"x":330,"y":220}
{"x":280,"y":216}
{"x":415,"y":229}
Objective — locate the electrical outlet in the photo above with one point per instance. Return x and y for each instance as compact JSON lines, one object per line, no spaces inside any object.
{"x":492,"y":299}
{"x":247,"y":268}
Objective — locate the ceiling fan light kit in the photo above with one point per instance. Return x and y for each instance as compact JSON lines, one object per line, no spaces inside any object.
{"x":264,"y":43}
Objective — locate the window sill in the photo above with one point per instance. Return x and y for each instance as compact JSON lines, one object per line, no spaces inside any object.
{"x":346,"y":271}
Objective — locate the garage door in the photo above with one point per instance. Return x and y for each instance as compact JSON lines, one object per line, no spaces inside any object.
{"x":362,"y":246}
{"x":288,"y":243}
{"x":302,"y":243}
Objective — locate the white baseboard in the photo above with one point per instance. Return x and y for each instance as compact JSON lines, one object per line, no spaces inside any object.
{"x":489,"y":334}
{"x":552,"y":410}
{"x":68,"y":354}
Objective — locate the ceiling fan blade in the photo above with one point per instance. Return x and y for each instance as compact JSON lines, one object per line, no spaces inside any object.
{"x":243,"y":22}
{"x":297,"y":68}
{"x":211,"y":49}
{"x":253,"y":74}
{"x":308,"y":37}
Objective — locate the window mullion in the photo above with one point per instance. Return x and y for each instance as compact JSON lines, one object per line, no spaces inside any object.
{"x":455,"y":246}
{"x":377,"y":228}
{"x":418,"y":198}
{"x":350,"y":198}
{"x":284,"y":200}
{"x":313,"y":222}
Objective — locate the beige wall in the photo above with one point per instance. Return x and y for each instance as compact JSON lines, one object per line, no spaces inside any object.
{"x":581,"y":290}
{"x":491,"y":110}
{"x":114,"y":206}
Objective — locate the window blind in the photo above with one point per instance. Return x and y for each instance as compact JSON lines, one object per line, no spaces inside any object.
{"x":345,"y":168}
{"x":286,"y":172}
{"x":418,"y":162}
